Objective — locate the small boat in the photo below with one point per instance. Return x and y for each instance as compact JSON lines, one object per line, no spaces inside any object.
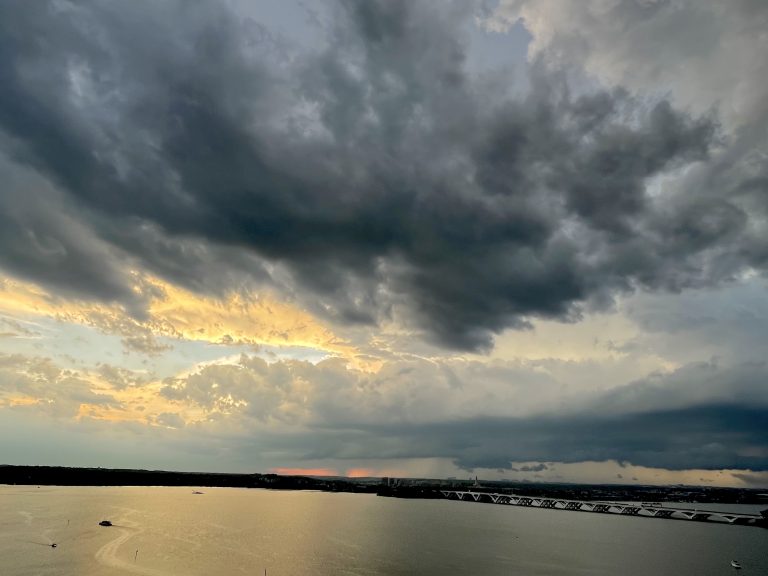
{"x":736,"y":565}
{"x":54,"y":545}
{"x":196,"y":492}
{"x":105,"y":523}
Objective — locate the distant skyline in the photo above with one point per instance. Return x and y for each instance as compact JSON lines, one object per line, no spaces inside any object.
{"x":515,"y":239}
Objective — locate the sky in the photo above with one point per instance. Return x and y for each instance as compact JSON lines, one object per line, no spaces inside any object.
{"x":513,"y":239}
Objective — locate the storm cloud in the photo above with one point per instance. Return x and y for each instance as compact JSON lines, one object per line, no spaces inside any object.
{"x":370,"y":178}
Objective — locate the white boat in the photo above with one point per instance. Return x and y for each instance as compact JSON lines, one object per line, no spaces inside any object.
{"x":735,"y":564}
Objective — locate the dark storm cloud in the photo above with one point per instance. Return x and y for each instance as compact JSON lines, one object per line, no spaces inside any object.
{"x":711,"y":437}
{"x":700,"y":416}
{"x":376,"y":171}
{"x":535,"y":468}
{"x":708,"y":437}
{"x":41,"y":238}
{"x":718,"y":436}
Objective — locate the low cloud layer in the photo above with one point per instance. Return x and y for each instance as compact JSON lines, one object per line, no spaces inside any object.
{"x":477,"y":415}
{"x":700,"y":416}
{"x":370,"y":178}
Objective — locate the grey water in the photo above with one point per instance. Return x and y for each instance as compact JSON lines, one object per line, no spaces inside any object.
{"x":225,"y":531}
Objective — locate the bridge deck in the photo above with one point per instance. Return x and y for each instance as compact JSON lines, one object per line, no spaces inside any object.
{"x":606,"y":507}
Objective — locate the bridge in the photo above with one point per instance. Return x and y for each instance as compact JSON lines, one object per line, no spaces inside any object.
{"x":644,"y":510}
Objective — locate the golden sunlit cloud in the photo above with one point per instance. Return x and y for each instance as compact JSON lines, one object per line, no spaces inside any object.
{"x":37,"y":384}
{"x":14,"y":401}
{"x":252,"y":319}
{"x":238,"y":319}
{"x":142,"y":405}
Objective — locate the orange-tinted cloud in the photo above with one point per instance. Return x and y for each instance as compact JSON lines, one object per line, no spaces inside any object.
{"x":360,"y":473}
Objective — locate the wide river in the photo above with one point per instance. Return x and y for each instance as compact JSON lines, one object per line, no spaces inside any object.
{"x":228,"y":531}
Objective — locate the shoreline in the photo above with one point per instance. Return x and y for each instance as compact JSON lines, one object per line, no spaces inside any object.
{"x":397,"y":488}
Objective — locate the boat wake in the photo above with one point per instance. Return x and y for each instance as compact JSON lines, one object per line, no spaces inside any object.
{"x":107,"y":555}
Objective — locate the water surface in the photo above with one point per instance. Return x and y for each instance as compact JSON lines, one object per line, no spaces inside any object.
{"x":228,"y":531}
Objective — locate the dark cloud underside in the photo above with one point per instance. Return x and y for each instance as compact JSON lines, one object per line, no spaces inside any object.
{"x":718,"y":436}
{"x":377,"y":170}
